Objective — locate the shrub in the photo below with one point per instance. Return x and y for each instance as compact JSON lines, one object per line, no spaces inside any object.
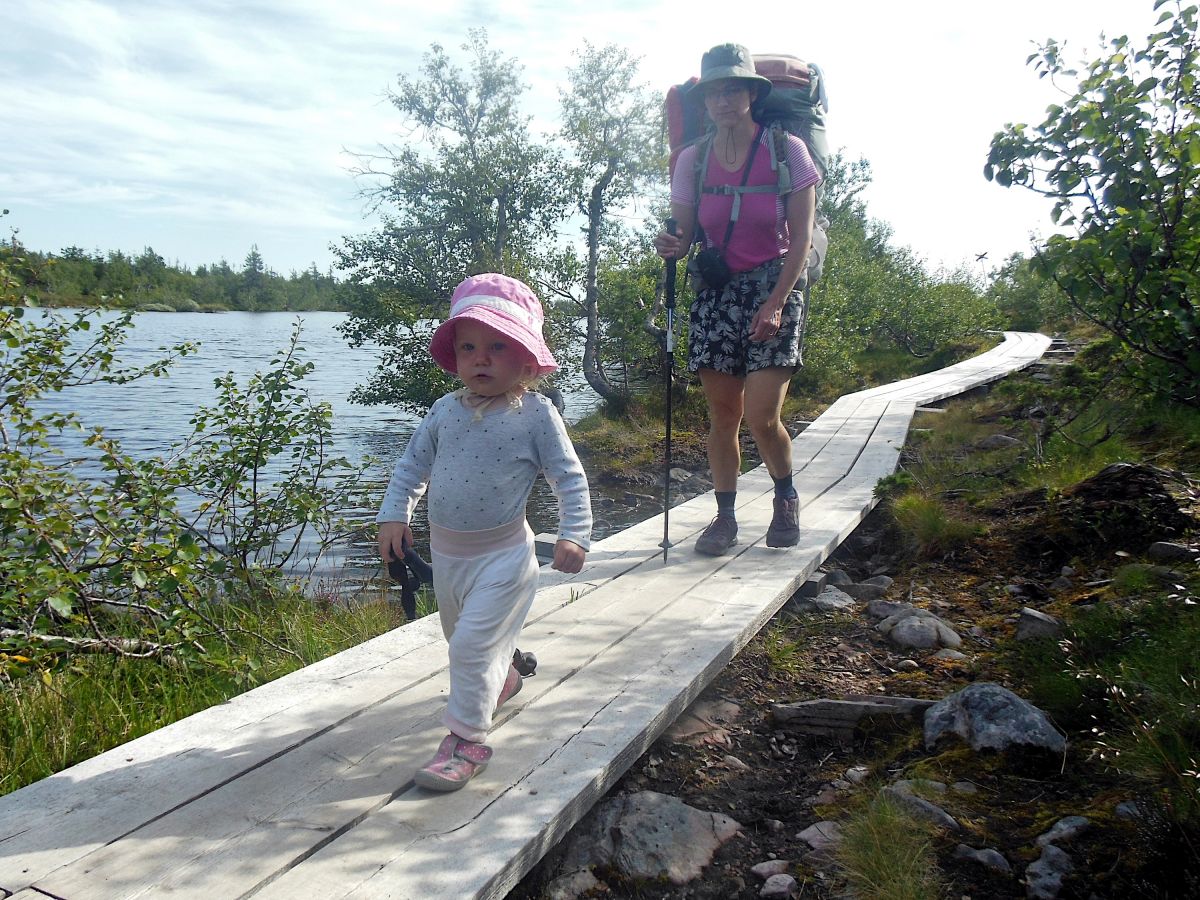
{"x":117,"y":567}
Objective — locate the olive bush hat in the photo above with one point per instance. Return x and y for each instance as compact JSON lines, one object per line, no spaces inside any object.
{"x":729,"y":61}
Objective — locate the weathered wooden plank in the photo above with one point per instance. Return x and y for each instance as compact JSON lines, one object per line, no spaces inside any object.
{"x":230,"y":826}
{"x":185,"y":863}
{"x":841,"y":717}
{"x":883,"y":437}
{"x":148,"y":777}
{"x":303,"y":787}
{"x":638,"y":697}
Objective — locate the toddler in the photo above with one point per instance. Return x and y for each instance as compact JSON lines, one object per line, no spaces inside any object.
{"x":478,"y":452}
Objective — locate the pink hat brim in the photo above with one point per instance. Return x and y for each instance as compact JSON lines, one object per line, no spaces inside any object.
{"x":441,"y":345}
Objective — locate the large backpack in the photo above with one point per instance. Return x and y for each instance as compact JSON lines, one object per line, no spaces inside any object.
{"x":797,"y":104}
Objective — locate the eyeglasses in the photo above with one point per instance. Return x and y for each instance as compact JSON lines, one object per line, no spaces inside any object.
{"x":725,"y":91}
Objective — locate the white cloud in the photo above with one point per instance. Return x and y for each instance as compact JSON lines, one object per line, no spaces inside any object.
{"x":211,"y":125}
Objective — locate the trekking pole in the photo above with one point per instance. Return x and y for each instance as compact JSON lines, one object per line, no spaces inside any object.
{"x":669,"y":302}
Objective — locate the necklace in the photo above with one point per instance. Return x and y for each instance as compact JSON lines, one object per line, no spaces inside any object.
{"x":730,"y":153}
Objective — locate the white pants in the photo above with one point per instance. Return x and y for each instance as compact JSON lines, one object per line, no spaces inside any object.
{"x":483,"y":601}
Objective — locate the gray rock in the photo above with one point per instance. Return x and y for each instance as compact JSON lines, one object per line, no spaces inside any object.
{"x":779,"y":886}
{"x":572,"y":885}
{"x":1036,"y":624}
{"x":918,"y":629}
{"x":857,"y":774}
{"x":864,"y":591}
{"x":884,"y":581}
{"x":964,"y":787}
{"x":987,"y":857}
{"x":1062,"y":583}
{"x":1128,"y":810}
{"x":832,"y":599}
{"x":907,"y":665}
{"x":1169,"y":552}
{"x":882,"y":609}
{"x":1064,"y":831}
{"x":678,"y":474}
{"x":765,"y":870}
{"x":822,"y":835}
{"x":649,"y":835}
{"x":998,"y":442}
{"x":920,"y":808}
{"x":914,"y":633}
{"x":947,"y":636}
{"x":1044,"y":877}
{"x":906,"y":611}
{"x":824,"y":797}
{"x":914,"y":786}
{"x":990,"y":717}
{"x":950,"y":655}
{"x":838,"y":577}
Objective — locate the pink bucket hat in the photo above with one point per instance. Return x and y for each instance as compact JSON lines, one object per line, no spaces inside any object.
{"x":506,"y":304}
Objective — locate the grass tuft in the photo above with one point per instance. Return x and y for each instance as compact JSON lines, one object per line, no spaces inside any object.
{"x":68,"y":715}
{"x":929,"y":526}
{"x":885,"y":854}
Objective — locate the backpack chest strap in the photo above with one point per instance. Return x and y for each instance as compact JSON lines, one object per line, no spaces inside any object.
{"x":727,"y":189}
{"x":737,"y":190}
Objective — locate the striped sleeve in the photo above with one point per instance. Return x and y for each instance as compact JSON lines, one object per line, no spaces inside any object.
{"x":804,"y":173}
{"x":683,"y":180}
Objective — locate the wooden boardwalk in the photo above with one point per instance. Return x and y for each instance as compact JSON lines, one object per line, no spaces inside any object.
{"x":302,"y":788}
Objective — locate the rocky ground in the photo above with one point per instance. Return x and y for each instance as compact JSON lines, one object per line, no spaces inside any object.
{"x":733,"y":756}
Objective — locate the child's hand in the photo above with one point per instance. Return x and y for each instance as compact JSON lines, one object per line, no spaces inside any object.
{"x":393,"y":538}
{"x":568,"y":556}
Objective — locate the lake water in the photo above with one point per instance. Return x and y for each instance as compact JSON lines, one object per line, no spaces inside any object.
{"x":151,"y":416}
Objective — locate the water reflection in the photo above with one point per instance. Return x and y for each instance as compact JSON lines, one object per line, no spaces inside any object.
{"x":151,"y":416}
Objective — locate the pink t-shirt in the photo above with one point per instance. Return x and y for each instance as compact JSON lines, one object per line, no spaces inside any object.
{"x":761,"y":232}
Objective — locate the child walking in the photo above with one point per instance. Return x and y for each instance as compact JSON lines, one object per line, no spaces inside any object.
{"x":478,"y":452}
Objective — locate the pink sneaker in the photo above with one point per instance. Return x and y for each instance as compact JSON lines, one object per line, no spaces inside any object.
{"x":455,"y":763}
{"x":512,"y":687}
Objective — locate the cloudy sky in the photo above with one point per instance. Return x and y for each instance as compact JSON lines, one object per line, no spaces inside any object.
{"x":202,"y":127}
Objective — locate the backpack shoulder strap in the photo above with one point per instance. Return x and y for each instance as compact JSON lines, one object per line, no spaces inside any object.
{"x":735,"y":189}
{"x":703,"y":149}
{"x":779,"y":157}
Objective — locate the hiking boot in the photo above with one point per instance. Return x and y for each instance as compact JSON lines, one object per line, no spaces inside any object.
{"x":455,"y":763}
{"x":512,"y":686}
{"x":785,"y":527}
{"x":719,"y":537}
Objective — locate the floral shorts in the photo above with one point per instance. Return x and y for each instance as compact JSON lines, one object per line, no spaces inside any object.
{"x":719,"y":330}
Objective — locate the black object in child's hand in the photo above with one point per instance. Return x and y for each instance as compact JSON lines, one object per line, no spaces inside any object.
{"x":410,"y":573}
{"x":524,"y":662}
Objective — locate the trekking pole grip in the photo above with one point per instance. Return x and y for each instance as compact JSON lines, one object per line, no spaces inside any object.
{"x":670,"y":227}
{"x":669,"y":293}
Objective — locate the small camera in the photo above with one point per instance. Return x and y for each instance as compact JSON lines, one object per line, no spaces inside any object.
{"x":708,"y":266}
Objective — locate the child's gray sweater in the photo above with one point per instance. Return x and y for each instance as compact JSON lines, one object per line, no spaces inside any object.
{"x":479,"y":472}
